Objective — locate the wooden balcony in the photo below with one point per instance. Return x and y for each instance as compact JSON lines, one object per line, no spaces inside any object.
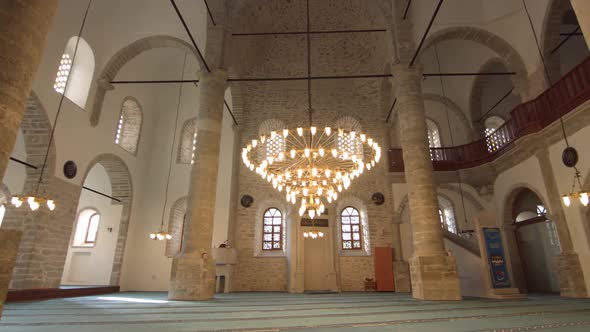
{"x":564,"y":96}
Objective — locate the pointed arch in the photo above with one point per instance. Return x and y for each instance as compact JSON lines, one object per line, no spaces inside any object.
{"x":75,"y":71}
{"x":489,"y":40}
{"x":122,"y":189}
{"x":129,"y":125}
{"x":126,"y":54}
{"x":176,"y":223}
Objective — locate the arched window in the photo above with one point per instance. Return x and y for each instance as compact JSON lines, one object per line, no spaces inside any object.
{"x":350,"y":226}
{"x":2,"y":212}
{"x":274,"y":141}
{"x":494,"y":139}
{"x":272,"y":234}
{"x":188,"y":142}
{"x":74,"y":76}
{"x":129,"y":126}
{"x":86,"y":228}
{"x":446,"y":213}
{"x":433,"y":137}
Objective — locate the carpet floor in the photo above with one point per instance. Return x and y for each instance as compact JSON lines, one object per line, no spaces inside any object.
{"x":147,"y":312}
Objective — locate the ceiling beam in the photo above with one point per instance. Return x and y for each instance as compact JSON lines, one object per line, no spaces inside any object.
{"x":243,"y":34}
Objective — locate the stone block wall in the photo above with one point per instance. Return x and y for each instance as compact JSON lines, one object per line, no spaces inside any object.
{"x":286,"y":102}
{"x":46,"y":235}
{"x":353,"y":271}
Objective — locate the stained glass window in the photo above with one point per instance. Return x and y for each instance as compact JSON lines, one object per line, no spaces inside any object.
{"x":272,"y":230}
{"x":350,"y":225}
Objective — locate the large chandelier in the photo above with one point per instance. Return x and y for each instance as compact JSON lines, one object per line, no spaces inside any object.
{"x":311,"y":165}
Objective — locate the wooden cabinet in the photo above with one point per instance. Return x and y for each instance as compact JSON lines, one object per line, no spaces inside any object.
{"x":384,"y":269}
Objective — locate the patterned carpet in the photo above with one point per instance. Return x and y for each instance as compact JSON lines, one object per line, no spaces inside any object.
{"x":147,"y":312}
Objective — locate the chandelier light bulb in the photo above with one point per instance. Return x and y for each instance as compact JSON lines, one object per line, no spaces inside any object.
{"x":293,"y":154}
{"x":311,"y":213}
{"x":322,"y":152}
{"x":306,"y":152}
{"x":50,"y":205}
{"x":566,"y":200}
{"x":328,"y":130}
{"x":273,"y":134}
{"x":285,"y":133}
{"x":313,"y":130}
{"x":300,"y":131}
{"x":305,"y":235}
{"x":584,"y":199}
{"x":363,"y":138}
{"x":152,"y":236}
{"x":254,"y":143}
{"x":321,"y":234}
{"x":334,"y":153}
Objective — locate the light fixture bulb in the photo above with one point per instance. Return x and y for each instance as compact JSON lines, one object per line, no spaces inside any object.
{"x":311,"y":213}
{"x":328,"y":130}
{"x":566,"y":200}
{"x":584,"y":199}
{"x":50,"y":204}
{"x":152,"y":236}
{"x":300,"y":131}
{"x":313,"y":130}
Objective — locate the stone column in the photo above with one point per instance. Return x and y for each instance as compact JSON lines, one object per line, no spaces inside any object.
{"x":193,"y":274}
{"x":9,"y":241}
{"x":571,"y":277}
{"x":582,"y":10}
{"x":23,"y":30}
{"x":433,"y":273}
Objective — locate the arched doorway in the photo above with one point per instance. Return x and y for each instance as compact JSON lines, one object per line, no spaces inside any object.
{"x":107,"y":174}
{"x":537,"y":242}
{"x":91,"y":252}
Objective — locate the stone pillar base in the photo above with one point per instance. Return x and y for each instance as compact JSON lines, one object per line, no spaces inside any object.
{"x":571,"y":277}
{"x":192,"y":279}
{"x":401,"y":276}
{"x":435,"y":278}
{"x":9,"y":243}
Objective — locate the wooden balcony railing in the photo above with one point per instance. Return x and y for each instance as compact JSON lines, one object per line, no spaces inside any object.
{"x":564,"y":96}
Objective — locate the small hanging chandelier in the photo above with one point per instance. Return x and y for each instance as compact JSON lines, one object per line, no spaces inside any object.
{"x":574,"y":194}
{"x":162,"y":234}
{"x":313,"y":234}
{"x":34,"y":202}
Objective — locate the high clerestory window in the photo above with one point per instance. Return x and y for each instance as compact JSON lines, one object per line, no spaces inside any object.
{"x":433,"y":137}
{"x":74,"y":76}
{"x":272,"y":233}
{"x":446,"y":213}
{"x":351,"y":229}
{"x":129,"y":125}
{"x":188,"y":142}
{"x":86,"y":228}
{"x":494,"y":138}
{"x":2,"y":212}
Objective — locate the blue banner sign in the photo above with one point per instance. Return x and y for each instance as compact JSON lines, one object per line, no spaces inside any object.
{"x":499,"y":271}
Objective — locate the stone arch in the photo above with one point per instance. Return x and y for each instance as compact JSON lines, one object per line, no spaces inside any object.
{"x":511,"y":197}
{"x":489,"y":40}
{"x":176,"y":227}
{"x":36,"y":129}
{"x":550,"y":37}
{"x":270,"y":125}
{"x":126,"y":54}
{"x":466,"y":194}
{"x":130,"y":124}
{"x":452,"y":107}
{"x":348,"y":123}
{"x":187,"y":141}
{"x":515,"y":259}
{"x":122,"y":189}
{"x":476,"y":94}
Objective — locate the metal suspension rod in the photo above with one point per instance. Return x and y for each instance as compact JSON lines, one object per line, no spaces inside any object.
{"x":440,"y":2}
{"x":190,"y":35}
{"x":390,"y":110}
{"x":246,"y":34}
